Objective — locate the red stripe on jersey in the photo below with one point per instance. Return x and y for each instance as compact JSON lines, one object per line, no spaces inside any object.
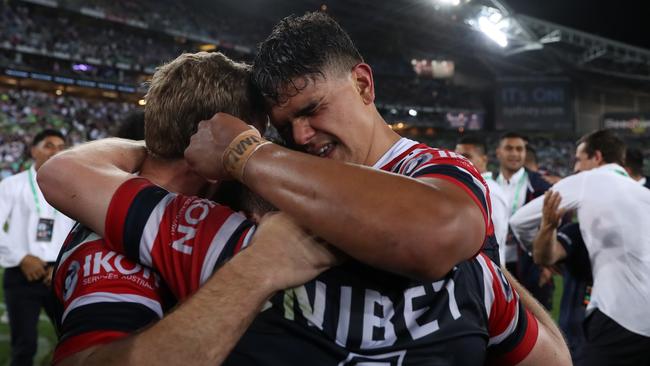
{"x":469,"y":193}
{"x":503,"y":311}
{"x":182,"y":270}
{"x":525,"y":346}
{"x":82,"y":341}
{"x":118,"y":209}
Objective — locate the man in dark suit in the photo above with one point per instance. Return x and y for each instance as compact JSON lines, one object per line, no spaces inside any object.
{"x":521,"y":186}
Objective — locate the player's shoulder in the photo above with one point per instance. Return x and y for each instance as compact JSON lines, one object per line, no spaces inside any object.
{"x":422,"y":155}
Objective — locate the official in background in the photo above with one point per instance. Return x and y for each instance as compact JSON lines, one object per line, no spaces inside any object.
{"x":475,"y":150}
{"x":634,"y":166}
{"x":522,"y":186}
{"x":613,"y":212}
{"x":29,"y":248}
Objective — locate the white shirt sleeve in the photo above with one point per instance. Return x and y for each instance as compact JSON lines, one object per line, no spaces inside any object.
{"x":10,"y":253}
{"x":525,"y":222}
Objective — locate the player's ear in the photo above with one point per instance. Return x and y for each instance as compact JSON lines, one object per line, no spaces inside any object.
{"x":362,"y":77}
{"x":598,"y":156}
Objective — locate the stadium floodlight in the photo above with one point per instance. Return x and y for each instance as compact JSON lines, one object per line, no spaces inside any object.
{"x":413,"y":113}
{"x":447,"y":2}
{"x":492,"y":27}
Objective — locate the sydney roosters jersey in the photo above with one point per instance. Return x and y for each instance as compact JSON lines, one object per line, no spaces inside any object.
{"x":357,"y":315}
{"x":101,"y":295}
{"x":352,"y":314}
{"x":184,"y":238}
{"x":416,"y":160}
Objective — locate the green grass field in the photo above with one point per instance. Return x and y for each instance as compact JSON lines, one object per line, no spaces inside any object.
{"x":47,"y":337}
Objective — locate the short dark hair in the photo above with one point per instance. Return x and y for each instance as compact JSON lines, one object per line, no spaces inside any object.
{"x":304,"y":46}
{"x":611,"y":147}
{"x":45,"y":134}
{"x":132,"y":127}
{"x":634,"y":161}
{"x":531,"y":154}
{"x":513,"y":135}
{"x":474,"y":141}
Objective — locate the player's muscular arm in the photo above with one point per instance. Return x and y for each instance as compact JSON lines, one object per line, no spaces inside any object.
{"x":81,"y":181}
{"x":416,"y":228}
{"x":203,"y":329}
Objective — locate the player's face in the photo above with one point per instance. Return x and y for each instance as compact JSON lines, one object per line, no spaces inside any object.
{"x":47,"y":148}
{"x":512,"y":153}
{"x":583,"y":161}
{"x":327,"y":118}
{"x":473,"y":154}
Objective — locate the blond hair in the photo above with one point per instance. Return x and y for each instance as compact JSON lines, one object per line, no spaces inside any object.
{"x":189,"y":89}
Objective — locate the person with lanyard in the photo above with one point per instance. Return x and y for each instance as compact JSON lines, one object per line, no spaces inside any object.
{"x":521,"y":186}
{"x":634,"y":166}
{"x":613,"y":211}
{"x":474,"y":150}
{"x":28,"y":249}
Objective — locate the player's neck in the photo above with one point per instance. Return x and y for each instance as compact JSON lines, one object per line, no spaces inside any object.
{"x":384,"y":138}
{"x":173,"y":175}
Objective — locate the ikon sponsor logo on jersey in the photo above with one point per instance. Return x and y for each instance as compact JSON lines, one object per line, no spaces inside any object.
{"x":102,"y":264}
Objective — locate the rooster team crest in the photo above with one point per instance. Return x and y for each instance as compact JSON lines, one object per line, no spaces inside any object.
{"x":71,"y":279}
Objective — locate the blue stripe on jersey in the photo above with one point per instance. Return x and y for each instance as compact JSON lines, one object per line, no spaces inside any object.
{"x":136,"y":219}
{"x":229,"y":249}
{"x":76,"y":236}
{"x":106,"y":316}
{"x":454,"y":172}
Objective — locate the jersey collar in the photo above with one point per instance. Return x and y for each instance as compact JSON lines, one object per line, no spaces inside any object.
{"x":398,"y":148}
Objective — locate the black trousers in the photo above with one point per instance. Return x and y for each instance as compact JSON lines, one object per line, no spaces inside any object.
{"x":24,"y":301}
{"x":609,"y":344}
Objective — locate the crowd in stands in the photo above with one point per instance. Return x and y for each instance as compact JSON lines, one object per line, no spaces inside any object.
{"x":25,"y":112}
{"x":57,"y":31}
{"x":206,"y":23}
{"x":24,"y":26}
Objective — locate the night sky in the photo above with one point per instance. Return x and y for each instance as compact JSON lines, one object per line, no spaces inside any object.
{"x":624,"y":21}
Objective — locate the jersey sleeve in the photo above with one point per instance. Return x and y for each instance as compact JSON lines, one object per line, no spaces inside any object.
{"x":101,"y":296}
{"x":184,"y":238}
{"x":569,"y":237}
{"x":577,"y":260}
{"x":427,"y":162}
{"x":512,"y":329}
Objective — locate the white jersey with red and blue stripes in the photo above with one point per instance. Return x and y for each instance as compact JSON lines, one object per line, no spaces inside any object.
{"x":352,"y":314}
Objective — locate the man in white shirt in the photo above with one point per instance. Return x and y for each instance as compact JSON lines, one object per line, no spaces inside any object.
{"x":521,"y":186}
{"x":475,"y":150}
{"x":614,"y":212}
{"x":29,"y":248}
